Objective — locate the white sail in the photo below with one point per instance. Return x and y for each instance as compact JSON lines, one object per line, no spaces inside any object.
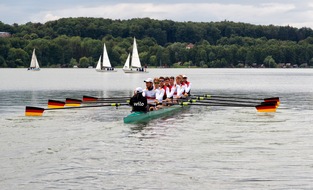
{"x":106,"y":60}
{"x":135,"y":62}
{"x":34,"y":65}
{"x":126,"y":65}
{"x":98,"y":67}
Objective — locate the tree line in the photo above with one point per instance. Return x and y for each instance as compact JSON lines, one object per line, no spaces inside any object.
{"x":79,"y":41}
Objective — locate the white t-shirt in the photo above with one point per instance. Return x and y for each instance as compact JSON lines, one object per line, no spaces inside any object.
{"x":150,"y":95}
{"x":159,"y":93}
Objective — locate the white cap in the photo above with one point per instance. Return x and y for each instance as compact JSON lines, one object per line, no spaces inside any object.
{"x":139,"y":90}
{"x":184,"y":76}
{"x":148,"y":80}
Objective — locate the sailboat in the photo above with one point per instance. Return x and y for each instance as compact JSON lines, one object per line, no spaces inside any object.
{"x":132,"y":64}
{"x":106,"y":64}
{"x":34,"y":65}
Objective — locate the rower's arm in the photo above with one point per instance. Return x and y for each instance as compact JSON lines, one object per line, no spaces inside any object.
{"x":170,"y":92}
{"x":159,"y":95}
{"x":180,"y":90}
{"x":188,"y":87}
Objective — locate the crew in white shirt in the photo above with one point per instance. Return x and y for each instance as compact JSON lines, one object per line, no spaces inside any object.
{"x":149,"y":92}
{"x":171,"y":88}
{"x":187,"y":85}
{"x":180,"y":88}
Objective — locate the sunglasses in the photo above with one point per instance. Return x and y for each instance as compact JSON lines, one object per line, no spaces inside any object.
{"x":156,"y":82}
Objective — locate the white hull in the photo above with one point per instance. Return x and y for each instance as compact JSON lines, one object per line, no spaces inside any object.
{"x":134,"y":71}
{"x":33,"y":69}
{"x":105,"y":71}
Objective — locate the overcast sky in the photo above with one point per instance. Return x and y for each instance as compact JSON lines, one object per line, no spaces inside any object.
{"x":297,"y":13}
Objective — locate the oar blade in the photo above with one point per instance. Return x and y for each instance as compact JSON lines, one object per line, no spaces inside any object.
{"x":55,"y":104}
{"x":72,"y":102}
{"x":273,"y":99}
{"x":266,"y":107}
{"x":33,"y":111}
{"x":270,"y":103}
{"x":89,"y":99}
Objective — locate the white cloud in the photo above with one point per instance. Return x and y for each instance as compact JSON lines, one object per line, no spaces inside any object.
{"x":289,"y":12}
{"x":49,"y":17}
{"x":264,"y":14}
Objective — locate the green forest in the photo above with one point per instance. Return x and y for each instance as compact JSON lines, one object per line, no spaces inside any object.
{"x":161,"y":43}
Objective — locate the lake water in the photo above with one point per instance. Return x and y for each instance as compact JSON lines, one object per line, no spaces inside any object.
{"x":198,"y":148}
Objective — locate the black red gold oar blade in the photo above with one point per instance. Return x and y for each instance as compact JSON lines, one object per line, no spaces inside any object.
{"x":266,"y":107}
{"x":271,"y":99}
{"x":36,"y":111}
{"x":271,"y":103}
{"x":276,"y":99}
{"x":72,"y":102}
{"x":89,"y":99}
{"x":55,"y":104}
{"x":33,"y":111}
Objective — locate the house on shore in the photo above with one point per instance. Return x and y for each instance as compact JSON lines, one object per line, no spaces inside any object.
{"x":5,"y":35}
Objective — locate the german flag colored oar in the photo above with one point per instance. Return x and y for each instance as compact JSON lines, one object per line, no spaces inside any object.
{"x":37,"y":111}
{"x":234,"y":99}
{"x":72,"y":102}
{"x":55,"y":104}
{"x":68,"y":102}
{"x":273,"y":99}
{"x":266,"y":107}
{"x":224,"y":101}
{"x":90,"y":99}
{"x":263,"y":107}
{"x":94,"y":99}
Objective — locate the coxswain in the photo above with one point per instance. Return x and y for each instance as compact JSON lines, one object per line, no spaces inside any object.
{"x":138,"y":101}
{"x":149,"y":92}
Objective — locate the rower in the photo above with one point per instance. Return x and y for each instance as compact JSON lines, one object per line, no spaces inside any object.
{"x":187,"y":85}
{"x":163,"y":86}
{"x":171,"y":88}
{"x":149,"y":92}
{"x":138,"y":101}
{"x":159,"y":93}
{"x":180,"y":88}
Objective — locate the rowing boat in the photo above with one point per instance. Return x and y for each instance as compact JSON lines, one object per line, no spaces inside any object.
{"x":269,"y":105}
{"x":137,"y":117}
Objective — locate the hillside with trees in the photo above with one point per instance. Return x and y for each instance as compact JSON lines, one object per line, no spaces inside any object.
{"x":79,"y":41}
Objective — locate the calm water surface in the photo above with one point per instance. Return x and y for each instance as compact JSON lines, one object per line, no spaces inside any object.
{"x":199,"y":148}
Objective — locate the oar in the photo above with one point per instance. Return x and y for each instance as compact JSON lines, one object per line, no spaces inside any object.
{"x":37,"y":111}
{"x":72,"y":102}
{"x":263,"y":107}
{"x":233,"y":103}
{"x":93,"y":99}
{"x":76,"y":102}
{"x":59,"y":104}
{"x":214,"y":100}
{"x":207,"y":96}
{"x":236,"y":97}
{"x":55,"y":104}
{"x":106,"y":101}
